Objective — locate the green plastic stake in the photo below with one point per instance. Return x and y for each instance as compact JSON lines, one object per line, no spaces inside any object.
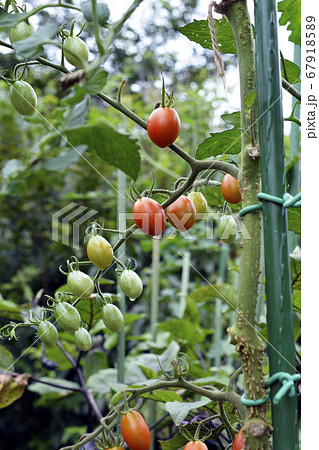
{"x":280,"y":319}
{"x":218,"y":332}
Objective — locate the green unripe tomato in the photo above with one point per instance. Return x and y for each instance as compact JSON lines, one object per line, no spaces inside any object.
{"x":200,"y":204}
{"x":80,"y":284}
{"x":23,"y":98}
{"x":227,"y":229}
{"x":100,"y":252}
{"x":131,"y":284}
{"x":67,"y":316}
{"x":21,"y":31}
{"x":83,"y":339}
{"x":112,"y":317}
{"x":76,"y":51}
{"x":47,"y":333}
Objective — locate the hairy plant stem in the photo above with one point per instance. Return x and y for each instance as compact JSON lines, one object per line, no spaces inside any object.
{"x":243,"y":334}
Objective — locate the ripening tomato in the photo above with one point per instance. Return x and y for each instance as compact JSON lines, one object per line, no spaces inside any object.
{"x":82,"y":339}
{"x":131,"y":284}
{"x":21,"y":31}
{"x":227,"y":229}
{"x":230,"y":189}
{"x":182,"y":213}
{"x":80,"y":284}
{"x":163,"y":126}
{"x":75,"y":51}
{"x":67,"y":316}
{"x":23,"y":98}
{"x":47,"y":333}
{"x":149,"y":216}
{"x":112,"y":317}
{"x":195,"y":445}
{"x":135,"y":431}
{"x":100,"y":252}
{"x":200,"y":204}
{"x":239,"y":441}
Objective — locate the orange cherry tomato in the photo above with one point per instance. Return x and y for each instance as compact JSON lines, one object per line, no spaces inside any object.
{"x":230,"y":189}
{"x":163,"y":126}
{"x":182,"y":213}
{"x":135,"y":431}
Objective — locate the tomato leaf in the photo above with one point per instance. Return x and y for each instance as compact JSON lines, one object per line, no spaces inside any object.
{"x":198,"y":31}
{"x":163,"y":396}
{"x":94,"y":80}
{"x":62,"y":387}
{"x":32,"y":47}
{"x":10,"y":310}
{"x":117,"y":149}
{"x":250,"y":98}
{"x":292,"y":72}
{"x":184,"y":330}
{"x":226,"y":292}
{"x":65,"y":160}
{"x":79,"y":113}
{"x":294,"y":220}
{"x":6,"y":360}
{"x":12,"y":388}
{"x":291,"y":15}
{"x":296,"y":301}
{"x":179,"y":411}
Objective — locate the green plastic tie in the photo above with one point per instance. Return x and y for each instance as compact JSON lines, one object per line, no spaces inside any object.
{"x":288,"y":385}
{"x":286,"y":201}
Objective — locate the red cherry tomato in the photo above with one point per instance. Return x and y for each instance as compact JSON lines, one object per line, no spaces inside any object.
{"x":230,"y":189}
{"x":239,"y":441}
{"x":149,"y":216}
{"x":182,"y":213}
{"x":163,"y":126}
{"x":196,"y":445}
{"x":135,"y":431}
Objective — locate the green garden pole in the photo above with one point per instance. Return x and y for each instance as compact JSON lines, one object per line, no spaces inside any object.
{"x":121,"y":225}
{"x":218,"y":329}
{"x":280,"y":319}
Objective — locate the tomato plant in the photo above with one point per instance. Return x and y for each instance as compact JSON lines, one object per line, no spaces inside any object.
{"x":83,"y":339}
{"x":230,"y":189}
{"x":80,"y":284}
{"x":75,"y":51}
{"x":131,"y":284}
{"x":239,"y":441}
{"x":200,"y":204}
{"x":112,"y":317}
{"x":48,"y":334}
{"x":100,"y":252}
{"x":196,"y":445}
{"x":182,"y":213}
{"x":23,"y":98}
{"x":67,"y":316}
{"x":135,"y":431}
{"x":20,"y":32}
{"x":149,"y":216}
{"x":163,"y":126}
{"x":227,"y":229}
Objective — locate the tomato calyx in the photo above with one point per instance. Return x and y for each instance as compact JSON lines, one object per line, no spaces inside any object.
{"x":109,"y":440}
{"x":196,"y":441}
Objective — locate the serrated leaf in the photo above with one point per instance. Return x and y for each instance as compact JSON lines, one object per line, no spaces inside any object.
{"x":232,"y":119}
{"x":66,"y":160}
{"x":117,"y":149}
{"x":6,"y":360}
{"x":198,"y":31}
{"x":226,"y":292}
{"x":32,"y":47}
{"x":250,"y":98}
{"x":79,"y":113}
{"x":95,"y":80}
{"x":12,"y":388}
{"x":228,"y":141}
{"x":179,"y":411}
{"x":291,"y":15}
{"x":102,"y":11}
{"x":292,"y":72}
{"x":294,"y":220}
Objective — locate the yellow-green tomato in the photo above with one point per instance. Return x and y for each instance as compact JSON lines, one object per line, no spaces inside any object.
{"x":80,"y":284}
{"x":100,"y":252}
{"x":131,"y":284}
{"x":227,"y":229}
{"x":47,"y":333}
{"x":83,"y":339}
{"x":112,"y":317}
{"x":23,"y":98}
{"x":76,"y":51}
{"x":200,"y":204}
{"x":21,"y":31}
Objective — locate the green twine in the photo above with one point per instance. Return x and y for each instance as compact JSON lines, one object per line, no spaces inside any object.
{"x":286,"y":201}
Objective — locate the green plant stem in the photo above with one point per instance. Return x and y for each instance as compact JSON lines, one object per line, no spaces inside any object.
{"x":96,"y":28}
{"x":243,"y":333}
{"x":291,"y":89}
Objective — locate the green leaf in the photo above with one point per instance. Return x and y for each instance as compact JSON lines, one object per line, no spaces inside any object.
{"x":89,"y":311}
{"x":41,"y":388}
{"x":250,"y":98}
{"x":163,"y":396}
{"x":198,"y":31}
{"x":10,"y":20}
{"x":228,"y":141}
{"x":66,"y":160}
{"x":184,"y":330}
{"x":79,"y":114}
{"x":95,"y":80}
{"x":10,"y":310}
{"x":95,"y":360}
{"x":292,"y":72}
{"x":291,"y":15}
{"x":294,"y":220}
{"x":296,"y":301}
{"x":179,"y":411}
{"x":6,"y":360}
{"x":226,"y":292}
{"x":103,"y":381}
{"x":102,"y":10}
{"x":117,"y":149}
{"x":12,"y":388}
{"x":148,"y":372}
{"x":32,"y":47}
